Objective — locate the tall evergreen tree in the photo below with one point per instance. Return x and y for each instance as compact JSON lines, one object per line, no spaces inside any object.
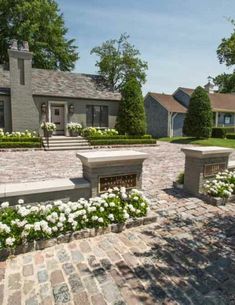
{"x":198,"y":121}
{"x":41,"y":24}
{"x":131,"y":118}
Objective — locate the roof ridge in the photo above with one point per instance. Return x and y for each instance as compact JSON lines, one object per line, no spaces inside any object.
{"x":67,"y":72}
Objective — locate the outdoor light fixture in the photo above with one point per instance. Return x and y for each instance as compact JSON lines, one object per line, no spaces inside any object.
{"x":71,"y":109}
{"x":43,"y":108}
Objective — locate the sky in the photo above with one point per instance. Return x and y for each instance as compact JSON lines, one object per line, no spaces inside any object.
{"x":178,"y":38}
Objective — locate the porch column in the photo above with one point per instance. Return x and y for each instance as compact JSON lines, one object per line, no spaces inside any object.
{"x":216,"y":119}
{"x":169,"y":125}
{"x":172,"y":123}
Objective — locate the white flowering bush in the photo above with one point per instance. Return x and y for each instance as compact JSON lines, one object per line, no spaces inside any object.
{"x":25,"y":223}
{"x":222,"y":186}
{"x":95,"y":132}
{"x":76,"y":127}
{"x":18,"y":134}
{"x":48,"y":126}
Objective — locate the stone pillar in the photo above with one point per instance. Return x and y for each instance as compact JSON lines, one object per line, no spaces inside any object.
{"x":107,"y":169}
{"x":203,"y":163}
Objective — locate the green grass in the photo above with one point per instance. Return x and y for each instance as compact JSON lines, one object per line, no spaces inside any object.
{"x":205,"y":142}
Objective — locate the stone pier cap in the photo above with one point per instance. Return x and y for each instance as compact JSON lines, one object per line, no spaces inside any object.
{"x":111,"y":156}
{"x":202,"y":152}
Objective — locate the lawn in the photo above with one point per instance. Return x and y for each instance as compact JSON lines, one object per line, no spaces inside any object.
{"x":205,"y":142}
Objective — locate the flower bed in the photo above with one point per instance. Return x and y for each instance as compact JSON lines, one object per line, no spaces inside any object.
{"x":22,"y":225}
{"x":24,"y":139}
{"x":98,"y":142}
{"x":221,"y":189}
{"x":96,"y":132}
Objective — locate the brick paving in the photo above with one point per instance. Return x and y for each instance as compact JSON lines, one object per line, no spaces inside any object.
{"x":186,"y":257}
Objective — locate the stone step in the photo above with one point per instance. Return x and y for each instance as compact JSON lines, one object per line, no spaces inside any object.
{"x":66,"y":144}
{"x":52,"y":139}
{"x":68,"y":148}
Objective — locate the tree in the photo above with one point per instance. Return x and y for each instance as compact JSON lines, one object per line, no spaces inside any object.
{"x":131,"y":116}
{"x":198,"y":120}
{"x":226,"y":49}
{"x":41,"y":24}
{"x":226,"y":54}
{"x":225,"y":82}
{"x":119,"y":61}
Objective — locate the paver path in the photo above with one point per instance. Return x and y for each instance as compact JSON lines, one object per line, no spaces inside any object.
{"x":186,"y":257}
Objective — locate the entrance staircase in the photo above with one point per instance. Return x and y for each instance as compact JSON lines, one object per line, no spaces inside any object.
{"x":65,"y":143}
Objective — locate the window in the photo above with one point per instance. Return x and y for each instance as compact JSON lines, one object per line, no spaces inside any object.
{"x":21,"y":71}
{"x":97,"y":116}
{"x":1,"y":114}
{"x":227,"y":119}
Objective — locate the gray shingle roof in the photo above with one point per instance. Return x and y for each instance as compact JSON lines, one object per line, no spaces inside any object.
{"x":65,"y":84}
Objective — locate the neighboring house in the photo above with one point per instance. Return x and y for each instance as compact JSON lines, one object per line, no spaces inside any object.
{"x":30,"y":96}
{"x":165,"y":113}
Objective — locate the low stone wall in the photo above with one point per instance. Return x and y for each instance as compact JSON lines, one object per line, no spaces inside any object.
{"x":43,"y":191}
{"x":86,"y":233}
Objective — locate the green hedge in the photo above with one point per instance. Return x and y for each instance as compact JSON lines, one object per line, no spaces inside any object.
{"x":230,"y":136}
{"x":20,"y":139}
{"x":107,"y":137}
{"x":121,"y":141}
{"x":20,"y":145}
{"x":219,"y":132}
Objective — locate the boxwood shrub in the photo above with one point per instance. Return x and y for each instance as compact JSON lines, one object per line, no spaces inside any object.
{"x":221,"y":132}
{"x":230,"y":136}
{"x":20,"y":144}
{"x":120,"y":137}
{"x":19,"y":139}
{"x":121,"y":141}
{"x":218,"y":132}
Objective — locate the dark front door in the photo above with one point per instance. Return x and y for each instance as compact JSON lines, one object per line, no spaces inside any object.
{"x":57,"y":117}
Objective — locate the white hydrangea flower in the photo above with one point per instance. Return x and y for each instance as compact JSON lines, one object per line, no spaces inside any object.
{"x":5,"y":205}
{"x":10,"y":241}
{"x":111,"y":217}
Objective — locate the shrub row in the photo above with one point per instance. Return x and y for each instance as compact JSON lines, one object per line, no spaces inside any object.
{"x":121,"y":141}
{"x":19,"y":139}
{"x":230,"y":136}
{"x":221,"y":132}
{"x":108,"y":137}
{"x":20,"y":145}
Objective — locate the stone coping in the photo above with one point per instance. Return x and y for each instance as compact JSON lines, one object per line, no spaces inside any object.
{"x":206,"y":151}
{"x":110,"y":156}
{"x":37,"y":187}
{"x":151,"y":217}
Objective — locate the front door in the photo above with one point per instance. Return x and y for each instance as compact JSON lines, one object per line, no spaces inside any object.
{"x":57,"y":117}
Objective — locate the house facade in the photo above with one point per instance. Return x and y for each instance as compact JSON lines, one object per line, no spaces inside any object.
{"x":166,"y":113}
{"x":31,"y":96}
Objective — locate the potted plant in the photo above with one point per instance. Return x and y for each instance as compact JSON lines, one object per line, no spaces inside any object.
{"x":74,"y":129}
{"x":48,"y":128}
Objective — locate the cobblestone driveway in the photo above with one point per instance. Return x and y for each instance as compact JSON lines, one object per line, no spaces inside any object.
{"x":186,"y":257}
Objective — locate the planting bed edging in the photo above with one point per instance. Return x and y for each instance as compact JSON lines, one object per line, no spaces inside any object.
{"x":217,"y":201}
{"x":85,"y":233}
{"x":123,"y":145}
{"x":20,"y":149}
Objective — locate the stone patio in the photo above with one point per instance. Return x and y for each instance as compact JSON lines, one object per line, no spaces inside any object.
{"x":186,"y":257}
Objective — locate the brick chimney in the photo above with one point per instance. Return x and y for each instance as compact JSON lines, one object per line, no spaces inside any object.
{"x":23,"y":109}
